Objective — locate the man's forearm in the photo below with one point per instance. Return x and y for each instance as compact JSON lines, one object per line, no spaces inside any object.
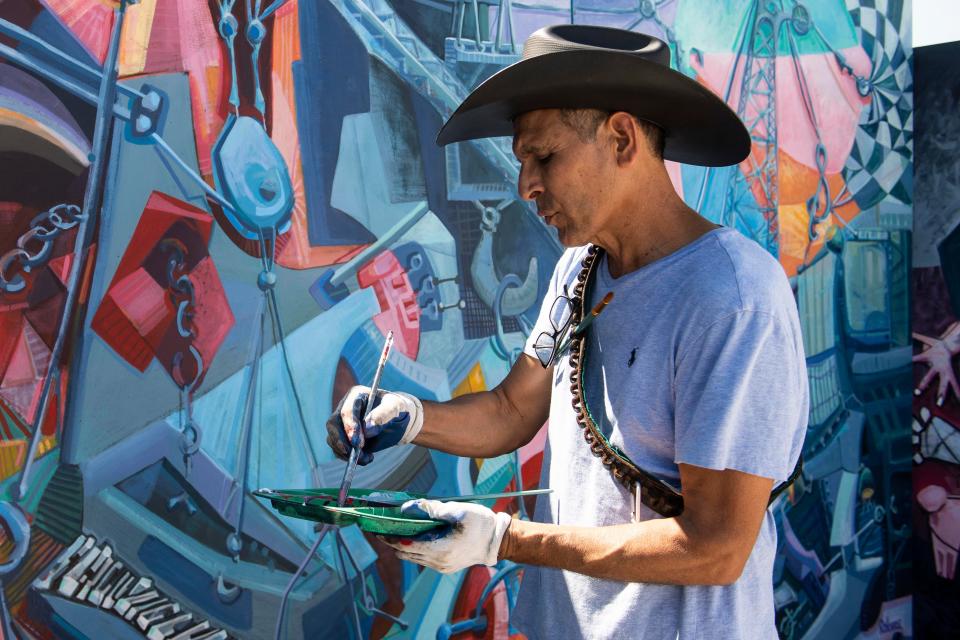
{"x":656,"y":551}
{"x":478,"y":425}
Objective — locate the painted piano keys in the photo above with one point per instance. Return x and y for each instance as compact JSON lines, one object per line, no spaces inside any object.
{"x":91,"y":573}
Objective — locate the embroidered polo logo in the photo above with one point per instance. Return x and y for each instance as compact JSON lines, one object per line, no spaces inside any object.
{"x":633,"y":357}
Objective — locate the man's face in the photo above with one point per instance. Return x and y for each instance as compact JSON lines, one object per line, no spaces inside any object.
{"x":567,"y":177}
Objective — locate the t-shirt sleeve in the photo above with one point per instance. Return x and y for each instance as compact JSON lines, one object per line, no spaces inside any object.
{"x":741,"y":396}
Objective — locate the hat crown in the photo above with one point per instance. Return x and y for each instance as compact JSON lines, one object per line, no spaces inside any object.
{"x":581,"y":37}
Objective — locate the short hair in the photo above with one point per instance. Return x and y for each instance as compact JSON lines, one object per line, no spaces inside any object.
{"x":585,"y":123}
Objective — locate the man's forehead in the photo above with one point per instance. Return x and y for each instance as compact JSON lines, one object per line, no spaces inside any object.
{"x":533,"y":129}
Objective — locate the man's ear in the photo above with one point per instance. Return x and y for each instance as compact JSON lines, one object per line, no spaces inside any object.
{"x":626,"y":136}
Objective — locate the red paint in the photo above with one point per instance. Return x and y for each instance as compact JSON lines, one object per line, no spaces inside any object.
{"x":137,"y":317}
{"x":496,"y":609}
{"x":399,"y":310}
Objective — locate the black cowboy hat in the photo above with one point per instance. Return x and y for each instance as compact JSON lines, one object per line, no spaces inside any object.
{"x":583,"y":66}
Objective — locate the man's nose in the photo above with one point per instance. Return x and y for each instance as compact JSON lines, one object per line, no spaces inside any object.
{"x":528,"y":184}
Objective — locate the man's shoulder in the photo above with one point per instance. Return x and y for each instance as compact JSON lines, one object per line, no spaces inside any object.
{"x":741,"y":276}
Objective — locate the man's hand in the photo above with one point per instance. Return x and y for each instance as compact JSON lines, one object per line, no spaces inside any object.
{"x":473,"y":537}
{"x":395,"y":418}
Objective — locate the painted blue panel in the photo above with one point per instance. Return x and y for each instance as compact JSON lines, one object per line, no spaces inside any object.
{"x":195,"y":583}
{"x":330,"y":81}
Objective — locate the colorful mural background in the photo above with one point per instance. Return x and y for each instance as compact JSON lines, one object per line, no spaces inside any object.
{"x":936,"y":332}
{"x":199,"y":260}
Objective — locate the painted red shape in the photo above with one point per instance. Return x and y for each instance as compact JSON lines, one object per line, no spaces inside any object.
{"x":61,"y":267}
{"x":137,"y":317}
{"x":399,"y":310}
{"x":142,"y":301}
{"x":20,"y":369}
{"x":10,"y":321}
{"x":496,"y":609}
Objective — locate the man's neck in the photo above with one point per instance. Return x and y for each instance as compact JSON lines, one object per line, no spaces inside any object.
{"x":657,"y":224}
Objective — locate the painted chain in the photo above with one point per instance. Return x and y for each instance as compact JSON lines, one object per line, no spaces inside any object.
{"x":182,"y":295}
{"x":35,"y":247}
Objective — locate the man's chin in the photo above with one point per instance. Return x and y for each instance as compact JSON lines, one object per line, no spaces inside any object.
{"x":569,"y":239}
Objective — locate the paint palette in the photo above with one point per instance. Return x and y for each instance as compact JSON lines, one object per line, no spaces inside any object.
{"x":373,"y":510}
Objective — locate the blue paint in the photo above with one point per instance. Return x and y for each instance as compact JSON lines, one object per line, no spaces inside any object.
{"x":330,"y":81}
{"x":147,"y":115}
{"x":434,"y":167}
{"x":326,"y":294}
{"x":48,"y":27}
{"x":361,"y":352}
{"x":415,"y":260}
{"x":195,"y":584}
{"x":321,"y":622}
{"x":250,"y":172}
{"x":141,"y":486}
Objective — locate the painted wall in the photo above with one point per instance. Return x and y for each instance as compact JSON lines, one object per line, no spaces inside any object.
{"x":264,"y":201}
{"x":936,"y":332}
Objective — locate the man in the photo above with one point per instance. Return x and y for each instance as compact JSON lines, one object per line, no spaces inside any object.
{"x":693,"y":375}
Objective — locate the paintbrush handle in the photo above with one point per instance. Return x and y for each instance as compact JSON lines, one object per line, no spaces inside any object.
{"x":375,"y":386}
{"x":355,"y":450}
{"x":495,"y":496}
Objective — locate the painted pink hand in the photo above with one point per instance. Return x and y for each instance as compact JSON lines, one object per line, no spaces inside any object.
{"x":938,"y":356}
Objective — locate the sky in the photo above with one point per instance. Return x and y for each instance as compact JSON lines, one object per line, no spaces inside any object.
{"x":935,"y":21}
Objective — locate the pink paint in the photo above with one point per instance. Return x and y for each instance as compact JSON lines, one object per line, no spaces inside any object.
{"x":183,"y":37}
{"x":535,"y":446}
{"x":944,"y":513}
{"x":676,"y":177}
{"x":834,"y":96}
{"x":398,"y":302}
{"x":90,"y":22}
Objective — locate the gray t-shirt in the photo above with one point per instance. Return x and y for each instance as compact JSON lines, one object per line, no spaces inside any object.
{"x":698,"y":359}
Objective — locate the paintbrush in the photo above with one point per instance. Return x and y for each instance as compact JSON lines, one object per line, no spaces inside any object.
{"x":376,"y":501}
{"x":354,"y":447}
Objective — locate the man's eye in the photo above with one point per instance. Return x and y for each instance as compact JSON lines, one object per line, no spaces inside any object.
{"x":545,"y":159}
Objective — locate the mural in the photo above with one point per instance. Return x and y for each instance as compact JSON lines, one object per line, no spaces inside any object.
{"x":212,"y":211}
{"x":936,"y":334}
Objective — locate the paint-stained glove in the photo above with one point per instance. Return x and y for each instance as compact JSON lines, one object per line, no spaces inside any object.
{"x":474,"y":536}
{"x":396,"y":418}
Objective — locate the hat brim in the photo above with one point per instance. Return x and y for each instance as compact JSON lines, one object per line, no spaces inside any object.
{"x":699,"y":127}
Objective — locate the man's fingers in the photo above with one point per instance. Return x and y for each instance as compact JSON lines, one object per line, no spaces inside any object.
{"x":346,"y":415}
{"x":336,"y":445}
{"x":352,"y":408}
{"x":412,"y":557}
{"x":434,"y":509}
{"x":336,"y":437}
{"x":426,"y":561}
{"x":354,"y":419}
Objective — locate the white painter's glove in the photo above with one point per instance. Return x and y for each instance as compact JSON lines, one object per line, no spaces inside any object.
{"x":396,"y":418}
{"x":474,"y":536}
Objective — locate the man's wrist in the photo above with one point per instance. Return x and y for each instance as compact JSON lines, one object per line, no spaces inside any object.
{"x":416,"y":418}
{"x":508,"y":542}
